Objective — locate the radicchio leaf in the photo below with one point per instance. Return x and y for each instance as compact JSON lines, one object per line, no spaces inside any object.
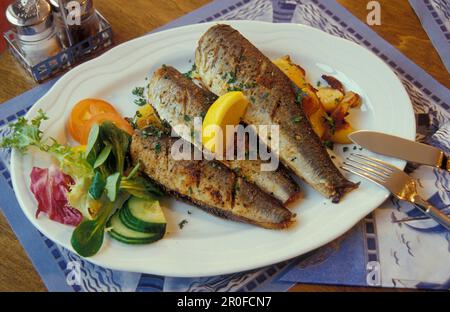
{"x":50,"y":187}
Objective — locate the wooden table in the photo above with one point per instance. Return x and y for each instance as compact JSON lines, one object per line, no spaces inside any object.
{"x":400,"y":27}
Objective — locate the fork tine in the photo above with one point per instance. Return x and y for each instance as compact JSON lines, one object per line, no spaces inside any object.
{"x":370,"y":166}
{"x":366,"y":168}
{"x":376,"y":162}
{"x":362,"y":173}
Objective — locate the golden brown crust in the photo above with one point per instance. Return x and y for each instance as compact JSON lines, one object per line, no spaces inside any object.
{"x":174,"y":96}
{"x":208,"y":184}
{"x":223,"y":50}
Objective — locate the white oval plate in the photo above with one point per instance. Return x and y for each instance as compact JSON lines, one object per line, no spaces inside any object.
{"x":208,"y":245}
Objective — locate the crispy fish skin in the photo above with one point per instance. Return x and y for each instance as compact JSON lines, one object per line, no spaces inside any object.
{"x":207,"y":184}
{"x":225,"y":59}
{"x":173,"y":96}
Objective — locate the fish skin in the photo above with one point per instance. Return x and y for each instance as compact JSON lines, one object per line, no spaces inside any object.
{"x":207,"y":184}
{"x":224,"y":59}
{"x":174,"y":96}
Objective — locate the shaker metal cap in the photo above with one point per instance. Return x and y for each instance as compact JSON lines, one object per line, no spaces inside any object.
{"x":86,"y":6}
{"x":29,"y":17}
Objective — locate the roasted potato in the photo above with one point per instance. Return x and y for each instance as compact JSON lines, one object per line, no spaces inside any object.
{"x":334,"y":83}
{"x":146,"y":117}
{"x":352,"y":98}
{"x":293,"y":71}
{"x":341,"y":135}
{"x":330,"y":98}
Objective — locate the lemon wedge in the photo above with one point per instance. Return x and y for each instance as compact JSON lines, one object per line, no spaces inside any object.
{"x":226,"y":110}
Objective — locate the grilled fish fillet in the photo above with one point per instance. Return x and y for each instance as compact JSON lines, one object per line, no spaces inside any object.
{"x":226,"y":60}
{"x":174,"y":96}
{"x":207,"y":184}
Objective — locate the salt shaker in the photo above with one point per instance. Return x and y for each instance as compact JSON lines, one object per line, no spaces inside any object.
{"x":31,"y":21}
{"x":71,"y":32}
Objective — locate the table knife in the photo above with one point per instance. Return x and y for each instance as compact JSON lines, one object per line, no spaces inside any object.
{"x":397,"y":147}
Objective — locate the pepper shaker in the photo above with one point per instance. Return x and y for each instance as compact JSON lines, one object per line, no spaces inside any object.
{"x":31,"y":21}
{"x":69,"y":31}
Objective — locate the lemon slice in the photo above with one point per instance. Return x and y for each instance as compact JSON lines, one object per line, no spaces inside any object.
{"x":226,"y":110}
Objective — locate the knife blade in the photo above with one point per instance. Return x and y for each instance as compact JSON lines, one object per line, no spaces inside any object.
{"x":397,"y":147}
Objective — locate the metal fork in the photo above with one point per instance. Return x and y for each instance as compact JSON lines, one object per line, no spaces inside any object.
{"x":396,"y":181}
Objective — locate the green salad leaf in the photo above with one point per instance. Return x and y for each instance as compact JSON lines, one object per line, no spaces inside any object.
{"x":101,"y":186}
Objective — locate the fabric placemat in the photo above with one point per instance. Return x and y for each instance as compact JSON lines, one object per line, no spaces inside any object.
{"x":435,"y":18}
{"x":382,"y":250}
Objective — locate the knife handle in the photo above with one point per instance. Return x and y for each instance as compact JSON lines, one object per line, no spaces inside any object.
{"x":432,"y":212}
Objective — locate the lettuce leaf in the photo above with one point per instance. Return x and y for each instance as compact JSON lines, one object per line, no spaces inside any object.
{"x":50,"y":187}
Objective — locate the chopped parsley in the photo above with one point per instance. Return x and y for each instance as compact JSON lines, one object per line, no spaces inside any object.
{"x":189,"y":212}
{"x":265,"y":95}
{"x":345,"y":149}
{"x":140,"y":101}
{"x":330,"y":121}
{"x":319,"y":83}
{"x":299,"y":95}
{"x":354,"y":147}
{"x":252,"y":99}
{"x":190,"y":73}
{"x":234,"y":89}
{"x":138,"y":91}
{"x":249,"y":85}
{"x":328,"y":144}
{"x":296,"y":119}
{"x":158,"y":147}
{"x":190,"y":190}
{"x":182,"y":224}
{"x":231,"y":77}
{"x":187,"y":118}
{"x":151,"y":130}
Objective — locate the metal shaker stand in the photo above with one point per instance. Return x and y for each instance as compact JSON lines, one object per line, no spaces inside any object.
{"x":67,"y":58}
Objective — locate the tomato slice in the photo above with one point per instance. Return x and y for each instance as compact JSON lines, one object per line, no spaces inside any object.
{"x":83,"y":111}
{"x":115,"y":118}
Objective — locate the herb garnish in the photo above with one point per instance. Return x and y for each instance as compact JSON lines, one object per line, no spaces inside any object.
{"x":330,"y":121}
{"x":187,"y":118}
{"x":328,"y":144}
{"x":232,"y":77}
{"x":234,"y":89}
{"x":182,"y":224}
{"x":296,"y":119}
{"x":299,"y":95}
{"x":158,"y":147}
{"x":190,"y":73}
{"x":138,"y":91}
{"x":140,"y":101}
